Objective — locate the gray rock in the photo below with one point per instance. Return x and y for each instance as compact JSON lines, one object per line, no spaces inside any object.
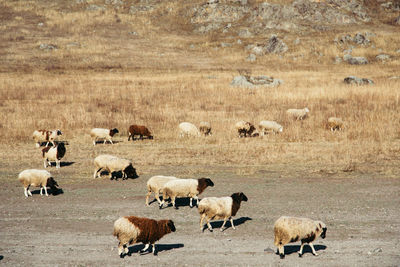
{"x":394,"y":77}
{"x":226,"y":45}
{"x":243,"y":2}
{"x":239,"y":41}
{"x":73,"y":44}
{"x":382,"y":57}
{"x":95,"y":8}
{"x":357,"y":81}
{"x":114,"y":2}
{"x":275,"y":45}
{"x":347,"y":57}
{"x":245,"y":33}
{"x":40,"y":24}
{"x":241,"y":81}
{"x":296,"y":42}
{"x":361,"y":39}
{"x":255,"y":82}
{"x":258,"y":50}
{"x":357,"y":60}
{"x":338,"y":60}
{"x":133,"y":33}
{"x":251,"y":58}
{"x":48,"y":47}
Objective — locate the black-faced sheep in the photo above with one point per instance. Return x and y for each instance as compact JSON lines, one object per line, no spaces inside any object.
{"x":270,"y":126}
{"x":131,"y":229}
{"x":113,"y":164}
{"x":215,"y":208}
{"x":138,"y":130}
{"x":335,"y":124}
{"x":41,"y":178}
{"x":100,"y":133}
{"x":205,"y":128}
{"x":188,"y":129}
{"x":292,"y":229}
{"x":54,"y":153}
{"x":184,"y":188}
{"x":246,"y":129}
{"x":155,"y":184}
{"x":45,"y":136}
{"x":298,"y":114}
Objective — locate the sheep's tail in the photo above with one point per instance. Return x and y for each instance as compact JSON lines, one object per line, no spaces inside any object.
{"x":277,"y":239}
{"x":116,"y":232}
{"x":202,"y":209}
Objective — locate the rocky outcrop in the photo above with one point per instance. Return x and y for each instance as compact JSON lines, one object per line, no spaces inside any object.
{"x":255,"y":82}
{"x":357,"y":81}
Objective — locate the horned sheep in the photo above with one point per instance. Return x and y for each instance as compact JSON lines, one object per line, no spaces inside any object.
{"x":184,"y":188}
{"x":335,"y":124}
{"x":131,"y":229}
{"x":54,"y":153}
{"x":113,"y":164}
{"x":292,"y":229}
{"x":298,"y":114}
{"x":45,"y":136}
{"x":138,"y":130}
{"x":220,"y":208}
{"x":270,"y":126}
{"x":188,"y":129}
{"x":205,"y":128}
{"x":100,"y":133}
{"x":246,"y":129}
{"x":155,"y":184}
{"x":41,"y":178}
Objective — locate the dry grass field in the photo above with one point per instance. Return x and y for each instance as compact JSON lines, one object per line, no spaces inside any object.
{"x":102,"y":75}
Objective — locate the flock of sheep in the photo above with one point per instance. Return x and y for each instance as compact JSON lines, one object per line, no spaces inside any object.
{"x":131,"y":229}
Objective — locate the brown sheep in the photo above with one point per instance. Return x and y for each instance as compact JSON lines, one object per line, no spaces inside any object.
{"x":139,"y":130}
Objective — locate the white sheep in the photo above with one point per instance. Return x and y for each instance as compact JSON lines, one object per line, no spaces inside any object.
{"x":184,"y":188}
{"x":246,"y":129}
{"x":100,"y":133}
{"x":113,"y":164}
{"x":292,"y":229}
{"x":270,"y":126}
{"x":45,"y":136}
{"x":298,"y":114}
{"x":225,"y":208}
{"x":54,"y":153}
{"x":188,"y":129}
{"x":205,"y":128}
{"x":155,"y":184}
{"x":41,"y":178}
{"x":131,"y":229}
{"x":335,"y":124}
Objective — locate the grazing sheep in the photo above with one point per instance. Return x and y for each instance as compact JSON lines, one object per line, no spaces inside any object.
{"x":270,"y":126}
{"x":54,"y":153}
{"x":184,"y":188}
{"x":188,"y":129}
{"x":335,"y":124}
{"x":155,"y":184}
{"x":131,"y":229}
{"x":113,"y":164}
{"x":292,"y":229}
{"x":298,"y":114}
{"x":41,"y":178}
{"x":100,"y":133}
{"x":138,"y":130}
{"x":45,"y":136}
{"x":220,"y":208}
{"x":245,"y":129}
{"x":205,"y":128}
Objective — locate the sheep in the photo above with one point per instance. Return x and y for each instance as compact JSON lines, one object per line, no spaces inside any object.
{"x":220,"y":208}
{"x":100,"y":133}
{"x":41,"y":178}
{"x":188,"y":129}
{"x":292,"y":229}
{"x":155,"y":184}
{"x":45,"y":136}
{"x":298,"y":114}
{"x":335,"y":124}
{"x":205,"y":128}
{"x":270,"y":126}
{"x":113,"y":164}
{"x":184,"y":188}
{"x":54,"y":153}
{"x":131,"y":229}
{"x":246,"y":129}
{"x":138,"y":130}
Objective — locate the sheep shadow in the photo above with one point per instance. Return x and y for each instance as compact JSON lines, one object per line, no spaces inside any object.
{"x":180,"y":202}
{"x":107,"y":142}
{"x":143,"y":138}
{"x":62,"y":163}
{"x":117,"y":175}
{"x":289,"y":249}
{"x":160,"y":248}
{"x":1,"y":257}
{"x":49,"y":191}
{"x":236,"y":222}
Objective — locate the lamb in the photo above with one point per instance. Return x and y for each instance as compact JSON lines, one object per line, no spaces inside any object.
{"x":138,"y":130}
{"x":335,"y":124}
{"x":155,"y":184}
{"x":54,"y":153}
{"x":100,"y":133}
{"x":188,"y":129}
{"x":131,"y":229}
{"x":292,"y":229}
{"x":205,"y":128}
{"x":245,"y":129}
{"x":113,"y":164}
{"x":184,"y":188}
{"x":220,"y":208}
{"x":45,"y":136}
{"x":298,"y":114}
{"x":270,"y":126}
{"x":41,"y":178}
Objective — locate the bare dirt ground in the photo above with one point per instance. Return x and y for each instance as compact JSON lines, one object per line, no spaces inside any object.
{"x":361,"y":210}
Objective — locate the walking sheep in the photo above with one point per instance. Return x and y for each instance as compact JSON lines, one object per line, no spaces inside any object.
{"x":298,"y":114}
{"x":205,"y":128}
{"x":188,"y":129}
{"x":54,"y":153}
{"x":335,"y":124}
{"x":269,"y":126}
{"x":155,"y":184}
{"x":138,"y":130}
{"x":131,"y":229}
{"x":113,"y":164}
{"x":184,"y":188}
{"x":45,"y":136}
{"x":100,"y":133}
{"x":41,"y":178}
{"x":245,"y":129}
{"x":225,"y":208}
{"x":292,"y":229}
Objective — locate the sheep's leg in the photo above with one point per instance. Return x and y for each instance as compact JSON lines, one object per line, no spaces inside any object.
{"x":233,"y":226}
{"x":38,"y":144}
{"x":209,"y":225}
{"x":147,"y":198}
{"x":122,"y":249}
{"x":173,"y":202}
{"x":96,"y":172}
{"x":154,"y":249}
{"x":29,"y":192}
{"x":191,"y":204}
{"x":281,"y":250}
{"x":45,"y":191}
{"x":94,"y":141}
{"x":197,"y":200}
{"x":111,"y":141}
{"x":222,"y":227}
{"x":47,"y":143}
{"x":45,"y":163}
{"x":201,"y":221}
{"x":301,"y":249}
{"x":41,"y":190}
{"x":26,"y":191}
{"x":313,"y":250}
{"x":129,"y":137}
{"x":57,"y":164}
{"x":157,"y":196}
{"x":146,"y":247}
{"x":105,"y":139}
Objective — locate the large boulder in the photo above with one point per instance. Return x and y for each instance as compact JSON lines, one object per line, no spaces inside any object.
{"x":255,"y":82}
{"x":357,"y":81}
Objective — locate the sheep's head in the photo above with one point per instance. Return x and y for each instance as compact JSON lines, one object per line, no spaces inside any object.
{"x":208,"y":181}
{"x":324,"y":228}
{"x":53,"y":185}
{"x":113,"y":131}
{"x":239,"y":197}
{"x":59,"y":132}
{"x":306,"y":110}
{"x":130,"y":171}
{"x":171,"y":225}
